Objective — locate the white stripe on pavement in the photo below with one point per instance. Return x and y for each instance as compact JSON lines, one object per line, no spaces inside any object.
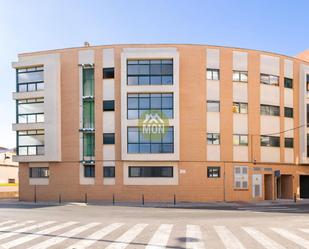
{"x":92,"y":238}
{"x":160,"y":238}
{"x":3,"y":229}
{"x":262,"y":238}
{"x":124,"y":240}
{"x":291,"y":236}
{"x":194,"y":238}
{"x":25,"y":229}
{"x":61,"y":237}
{"x":29,"y":237}
{"x":304,"y":230}
{"x":228,"y":239}
{"x":6,"y":222}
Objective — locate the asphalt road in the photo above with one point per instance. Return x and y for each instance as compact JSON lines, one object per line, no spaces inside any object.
{"x":119,"y":227}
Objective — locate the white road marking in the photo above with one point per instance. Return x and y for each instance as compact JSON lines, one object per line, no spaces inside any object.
{"x":92,"y":238}
{"x":25,"y":229}
{"x":228,"y":239}
{"x":291,"y":236}
{"x":35,"y":235}
{"x":262,"y":238}
{"x":6,"y":222}
{"x":304,"y":230}
{"x":3,"y":229}
{"x":194,"y":237}
{"x":160,"y":238}
{"x":124,"y":240}
{"x":59,"y":238}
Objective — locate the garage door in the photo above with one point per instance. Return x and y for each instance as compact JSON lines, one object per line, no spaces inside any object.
{"x":304,"y":186}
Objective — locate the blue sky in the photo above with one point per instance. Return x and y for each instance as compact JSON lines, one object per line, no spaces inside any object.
{"x":25,"y":26}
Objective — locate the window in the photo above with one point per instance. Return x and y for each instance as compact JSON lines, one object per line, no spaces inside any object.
{"x":288,"y":83}
{"x":307,"y":81}
{"x":141,"y":143}
{"x":213,"y":138}
{"x":270,"y":141}
{"x":109,"y":171}
{"x":108,"y":138}
{"x":30,"y":110}
{"x":108,"y":73}
{"x":240,"y":140}
{"x":288,"y":112}
{"x":239,"y":107}
{"x":213,"y":106}
{"x":143,"y":171}
{"x":213,"y":74}
{"x":138,"y":103}
{"x":30,"y":142}
{"x":88,"y":81}
{"x":270,"y":110}
{"x":108,"y":105}
{"x":269,"y":79}
{"x":88,"y":113}
{"x":241,"y":177}
{"x":88,"y":144}
{"x":288,"y":142}
{"x":89,"y":170}
{"x":240,"y":76}
{"x":38,"y":172}
{"x":150,"y":72}
{"x":213,"y":172}
{"x":30,"y":79}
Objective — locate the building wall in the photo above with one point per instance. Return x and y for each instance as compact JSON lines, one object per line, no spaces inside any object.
{"x":194,"y":155}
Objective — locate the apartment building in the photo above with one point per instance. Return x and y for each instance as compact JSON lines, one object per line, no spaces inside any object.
{"x":191,"y":122}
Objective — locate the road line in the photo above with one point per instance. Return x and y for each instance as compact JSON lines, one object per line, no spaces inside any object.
{"x":228,"y":239}
{"x":6,"y":222}
{"x":124,"y":240}
{"x":194,"y":238}
{"x":2,"y":229}
{"x":261,"y":238}
{"x":304,"y":230}
{"x":25,"y":229}
{"x":61,"y":237}
{"x":92,"y":238}
{"x":291,"y":236}
{"x":160,"y":238}
{"x":29,"y":237}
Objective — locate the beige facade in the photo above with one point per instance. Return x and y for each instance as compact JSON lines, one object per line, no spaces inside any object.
{"x":238,"y":126}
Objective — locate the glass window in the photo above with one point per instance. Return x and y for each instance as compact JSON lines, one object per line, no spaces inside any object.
{"x":240,"y":76}
{"x":213,"y":172}
{"x":30,"y":142}
{"x":288,"y":83}
{"x":270,"y":141}
{"x":270,"y":110}
{"x":140,"y":143}
{"x":38,"y":172}
{"x":213,"y":138}
{"x":213,"y":106}
{"x":30,"y":110}
{"x":108,"y":73}
{"x":239,"y":107}
{"x":89,"y":170}
{"x":30,"y":79}
{"x":240,"y":140}
{"x":150,"y":171}
{"x":88,"y":82}
{"x":88,"y":144}
{"x":269,"y":79}
{"x":288,"y":142}
{"x":213,"y":74}
{"x":108,"y":105}
{"x":108,"y":171}
{"x":288,"y":112}
{"x":108,"y":138}
{"x":88,"y":113}
{"x":150,"y":72}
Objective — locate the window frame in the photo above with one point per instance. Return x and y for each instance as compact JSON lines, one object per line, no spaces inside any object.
{"x":269,"y":76}
{"x":38,"y":116}
{"x":210,"y":171}
{"x":288,"y":142}
{"x":89,"y":168}
{"x":108,"y":73}
{"x":288,"y":112}
{"x":38,"y":148}
{"x":108,"y":138}
{"x":108,"y":105}
{"x":213,"y":102}
{"x":269,"y":110}
{"x":240,"y":73}
{"x":109,"y":171}
{"x":238,"y":107}
{"x":288,"y":83}
{"x":212,"y":136}
{"x":240,"y":143}
{"x":211,"y":71}
{"x":143,"y":174}
{"x":36,"y":83}
{"x":40,"y":173}
{"x":273,"y":141}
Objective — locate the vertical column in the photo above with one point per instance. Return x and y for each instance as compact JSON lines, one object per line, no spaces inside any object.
{"x":297,"y":101}
{"x":282,"y":127}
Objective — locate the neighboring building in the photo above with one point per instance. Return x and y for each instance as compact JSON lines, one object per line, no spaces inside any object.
{"x":8,"y":168}
{"x":235,"y":123}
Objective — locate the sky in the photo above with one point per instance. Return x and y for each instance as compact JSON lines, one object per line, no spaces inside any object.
{"x":29,"y":25}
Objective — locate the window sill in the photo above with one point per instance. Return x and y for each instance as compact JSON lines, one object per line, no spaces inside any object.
{"x":241,"y":189}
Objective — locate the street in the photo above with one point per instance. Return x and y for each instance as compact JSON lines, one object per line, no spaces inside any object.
{"x":72,"y":225}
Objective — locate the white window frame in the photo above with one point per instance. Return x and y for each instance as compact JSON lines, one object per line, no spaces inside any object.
{"x":241,"y":175}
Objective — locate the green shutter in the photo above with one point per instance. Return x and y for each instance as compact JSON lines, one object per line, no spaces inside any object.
{"x":88,"y":82}
{"x":88,"y":144}
{"x":88,"y":114}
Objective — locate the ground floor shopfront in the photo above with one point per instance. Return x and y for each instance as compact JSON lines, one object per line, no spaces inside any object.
{"x":163,"y":181}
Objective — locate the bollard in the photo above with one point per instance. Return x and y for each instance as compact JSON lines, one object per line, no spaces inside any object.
{"x":295,"y":197}
{"x":86,"y":199}
{"x":34,"y":193}
{"x":143,"y":200}
{"x":174,"y":199}
{"x":60,"y":199}
{"x":113,"y":199}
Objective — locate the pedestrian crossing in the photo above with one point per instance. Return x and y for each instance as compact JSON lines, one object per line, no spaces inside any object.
{"x":77,"y":235}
